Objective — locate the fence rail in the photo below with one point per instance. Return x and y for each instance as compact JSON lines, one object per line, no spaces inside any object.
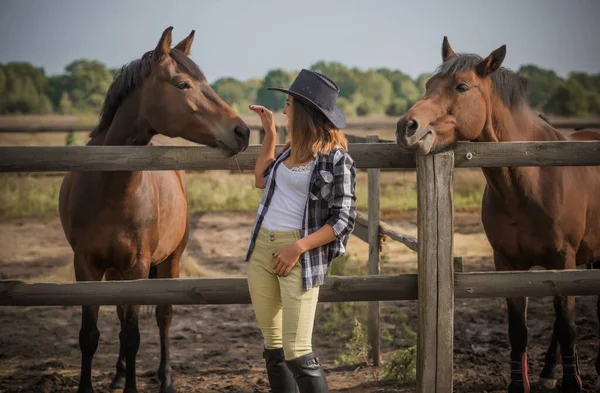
{"x":366,"y":155}
{"x":336,"y":289}
{"x":387,"y":124}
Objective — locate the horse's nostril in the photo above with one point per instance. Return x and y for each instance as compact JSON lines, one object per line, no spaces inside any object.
{"x":242,"y":133}
{"x":411,"y":127}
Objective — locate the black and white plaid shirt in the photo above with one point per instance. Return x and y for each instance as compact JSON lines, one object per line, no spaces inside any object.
{"x":331,"y":200}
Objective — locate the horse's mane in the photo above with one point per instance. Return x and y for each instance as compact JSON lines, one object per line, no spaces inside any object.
{"x":510,"y":86}
{"x":129,"y":77}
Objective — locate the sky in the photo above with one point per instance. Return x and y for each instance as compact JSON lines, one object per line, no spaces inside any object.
{"x":244,"y":39}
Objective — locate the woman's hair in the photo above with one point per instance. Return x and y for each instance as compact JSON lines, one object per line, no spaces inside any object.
{"x":311,"y":133}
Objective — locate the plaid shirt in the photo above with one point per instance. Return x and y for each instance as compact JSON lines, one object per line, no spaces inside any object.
{"x":331,"y":200}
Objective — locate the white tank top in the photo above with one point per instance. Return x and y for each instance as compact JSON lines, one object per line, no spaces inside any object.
{"x":286,"y":209}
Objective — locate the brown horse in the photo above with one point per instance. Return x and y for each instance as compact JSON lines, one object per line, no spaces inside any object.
{"x":132,"y":225}
{"x":545,"y":216}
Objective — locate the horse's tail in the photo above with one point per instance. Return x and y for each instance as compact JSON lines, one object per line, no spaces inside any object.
{"x":153,"y":272}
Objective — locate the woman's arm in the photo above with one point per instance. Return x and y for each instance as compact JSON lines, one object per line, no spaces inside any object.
{"x":267,"y":152}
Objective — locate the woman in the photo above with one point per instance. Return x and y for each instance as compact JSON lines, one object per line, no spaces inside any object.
{"x":304,"y":220}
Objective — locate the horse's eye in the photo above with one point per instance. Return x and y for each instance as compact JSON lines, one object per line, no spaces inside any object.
{"x":183,"y":86}
{"x":462,"y":87}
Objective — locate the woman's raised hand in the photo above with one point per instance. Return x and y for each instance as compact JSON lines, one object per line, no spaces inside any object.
{"x":266,"y":117}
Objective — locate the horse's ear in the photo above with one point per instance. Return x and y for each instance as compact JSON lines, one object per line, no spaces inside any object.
{"x":164,"y":45}
{"x":186,"y":44}
{"x":492,"y":62}
{"x":447,"y":51}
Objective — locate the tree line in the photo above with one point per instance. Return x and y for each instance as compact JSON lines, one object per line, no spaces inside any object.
{"x":26,"y":89}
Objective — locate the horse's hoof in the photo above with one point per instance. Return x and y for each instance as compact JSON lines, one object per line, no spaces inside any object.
{"x":518,"y":387}
{"x":118,"y":382}
{"x":547,"y":383}
{"x":572,"y":384}
{"x":167,"y":389}
{"x":87,"y":389}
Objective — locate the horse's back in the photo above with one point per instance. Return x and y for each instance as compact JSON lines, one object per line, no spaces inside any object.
{"x":584,"y":135}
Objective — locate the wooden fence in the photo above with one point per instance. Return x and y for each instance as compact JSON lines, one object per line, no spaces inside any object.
{"x":435,"y":286}
{"x":383,"y":124}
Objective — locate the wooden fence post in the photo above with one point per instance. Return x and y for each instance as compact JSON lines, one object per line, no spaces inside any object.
{"x":374,"y":246}
{"x":436,"y":273}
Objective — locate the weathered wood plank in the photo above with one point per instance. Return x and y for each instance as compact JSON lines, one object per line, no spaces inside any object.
{"x":427,"y":273}
{"x":578,"y":282}
{"x":195,"y":291}
{"x":507,"y":154}
{"x":136,"y":158}
{"x":443,"y":165}
{"x":374,"y":246}
{"x":384,"y":124}
{"x":394,"y":234}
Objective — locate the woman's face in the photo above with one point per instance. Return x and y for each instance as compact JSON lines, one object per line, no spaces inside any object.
{"x":288,"y":110}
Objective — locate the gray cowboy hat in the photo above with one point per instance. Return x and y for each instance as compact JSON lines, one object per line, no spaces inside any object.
{"x":318,"y":91}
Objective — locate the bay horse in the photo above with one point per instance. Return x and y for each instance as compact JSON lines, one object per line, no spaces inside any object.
{"x":126,"y":225}
{"x":544,"y":216}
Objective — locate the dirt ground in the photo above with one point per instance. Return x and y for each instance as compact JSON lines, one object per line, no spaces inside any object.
{"x":218,"y":348}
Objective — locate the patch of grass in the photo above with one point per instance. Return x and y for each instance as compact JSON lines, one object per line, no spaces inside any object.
{"x":403,"y":366}
{"x":22,"y":196}
{"x":214,"y":191}
{"x":357,"y":347}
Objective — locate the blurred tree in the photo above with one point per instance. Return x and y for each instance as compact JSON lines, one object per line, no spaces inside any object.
{"x":568,"y":99}
{"x":85,"y":81}
{"x":540,"y":84}
{"x":251,"y":87}
{"x":274,"y":100}
{"x":347,"y":107}
{"x":345,"y":78}
{"x":403,"y":86}
{"x":230,"y":90}
{"x":375,"y":87}
{"x":397,"y":107}
{"x":420,"y":82}
{"x":594,"y":103}
{"x":365,"y":108}
{"x":65,"y":106}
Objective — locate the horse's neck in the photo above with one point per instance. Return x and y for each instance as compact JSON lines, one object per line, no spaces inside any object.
{"x":514,"y":184}
{"x":126,"y":129}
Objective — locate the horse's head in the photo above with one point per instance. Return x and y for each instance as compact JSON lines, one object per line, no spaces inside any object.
{"x":457,"y":105}
{"x":173,"y":98}
{"x":179,"y":102}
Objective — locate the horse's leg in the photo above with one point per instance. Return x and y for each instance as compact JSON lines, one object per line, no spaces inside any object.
{"x":548,"y":374}
{"x":164,"y":313}
{"x":130,"y":331}
{"x":517,"y":333}
{"x":118,"y":381}
{"x":89,"y":335}
{"x":565,"y":328}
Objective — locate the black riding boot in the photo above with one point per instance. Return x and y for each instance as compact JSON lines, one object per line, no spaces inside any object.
{"x":309,"y":374}
{"x":281,"y":378}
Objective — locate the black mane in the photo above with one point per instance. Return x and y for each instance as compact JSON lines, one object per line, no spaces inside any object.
{"x":130,"y":77}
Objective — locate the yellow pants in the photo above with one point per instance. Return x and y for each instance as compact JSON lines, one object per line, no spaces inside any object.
{"x":283,"y":310}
